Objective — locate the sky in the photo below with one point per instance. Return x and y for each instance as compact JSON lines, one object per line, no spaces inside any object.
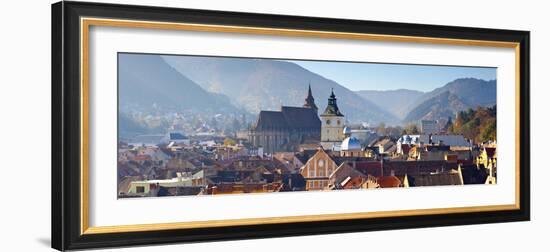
{"x":373,"y":76}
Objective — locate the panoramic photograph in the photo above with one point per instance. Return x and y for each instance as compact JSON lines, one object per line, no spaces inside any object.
{"x":205,"y":125}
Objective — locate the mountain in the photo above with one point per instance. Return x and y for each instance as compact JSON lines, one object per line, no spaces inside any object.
{"x":147,"y":82}
{"x":259,"y":84}
{"x":397,"y":102}
{"x":442,"y":105}
{"x":455,"y":96}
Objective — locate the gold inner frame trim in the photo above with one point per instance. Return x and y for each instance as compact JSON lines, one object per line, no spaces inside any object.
{"x":86,"y":23}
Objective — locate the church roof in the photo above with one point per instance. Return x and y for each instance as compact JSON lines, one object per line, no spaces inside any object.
{"x":303,"y":118}
{"x":288,"y":118}
{"x":270,"y":120}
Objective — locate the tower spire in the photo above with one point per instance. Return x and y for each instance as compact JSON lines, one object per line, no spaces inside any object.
{"x":310,"y":101}
{"x":332,"y":107}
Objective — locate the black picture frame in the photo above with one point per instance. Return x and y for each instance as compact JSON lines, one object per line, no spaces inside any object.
{"x":66,"y":114}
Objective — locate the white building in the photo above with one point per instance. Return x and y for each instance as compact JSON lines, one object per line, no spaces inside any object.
{"x":175,"y":137}
{"x":150,"y":187}
{"x":444,"y":139}
{"x":351,"y":146}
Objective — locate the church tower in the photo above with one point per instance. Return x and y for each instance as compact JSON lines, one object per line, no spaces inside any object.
{"x":332,"y":124}
{"x":310,"y":101}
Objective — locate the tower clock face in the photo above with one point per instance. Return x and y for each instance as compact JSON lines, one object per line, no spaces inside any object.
{"x":321,"y":163}
{"x":328,"y":122}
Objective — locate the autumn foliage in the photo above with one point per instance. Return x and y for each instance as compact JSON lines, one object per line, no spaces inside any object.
{"x":479,"y":125}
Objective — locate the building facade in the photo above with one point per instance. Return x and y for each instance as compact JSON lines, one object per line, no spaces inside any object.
{"x":317,"y":170}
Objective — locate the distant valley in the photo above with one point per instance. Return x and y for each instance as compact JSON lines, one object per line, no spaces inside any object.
{"x":458,"y":95}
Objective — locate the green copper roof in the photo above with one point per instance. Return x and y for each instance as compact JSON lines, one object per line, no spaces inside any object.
{"x":332,"y":107}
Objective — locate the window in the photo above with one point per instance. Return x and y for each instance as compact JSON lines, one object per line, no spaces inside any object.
{"x":338,"y":122}
{"x":140,"y":189}
{"x":328,"y":122}
{"x":310,"y":184}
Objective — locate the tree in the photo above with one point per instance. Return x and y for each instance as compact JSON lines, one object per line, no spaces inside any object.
{"x":381,"y":129}
{"x":489,"y":131}
{"x":394,"y":131}
{"x":229,"y":142}
{"x":411,"y":129}
{"x":478,"y":125}
{"x":449,"y":126}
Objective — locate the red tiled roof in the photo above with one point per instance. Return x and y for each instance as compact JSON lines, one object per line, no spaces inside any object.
{"x":388,"y":181}
{"x":353,"y":183}
{"x":373,"y":168}
{"x":142,"y":157}
{"x":400,"y":168}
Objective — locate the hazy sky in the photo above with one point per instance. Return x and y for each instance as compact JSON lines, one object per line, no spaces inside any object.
{"x":371,"y":76}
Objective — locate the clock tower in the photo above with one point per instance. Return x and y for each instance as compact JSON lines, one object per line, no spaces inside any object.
{"x":332,"y":124}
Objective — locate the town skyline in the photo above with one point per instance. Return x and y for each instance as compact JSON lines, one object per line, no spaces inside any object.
{"x":203,"y":126}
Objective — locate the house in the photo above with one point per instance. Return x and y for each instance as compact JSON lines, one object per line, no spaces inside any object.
{"x":293,"y":182}
{"x":413,"y":168}
{"x":175,"y":137}
{"x":385,"y":145}
{"x":473,"y":174}
{"x":454,"y":141}
{"x":488,"y":159}
{"x":239,"y":187}
{"x":388,"y":181}
{"x":145,"y":140}
{"x":151,"y":187}
{"x":179,"y":191}
{"x":317,"y":169}
{"x":289,"y":159}
{"x":436,"y":179}
{"x":343,"y":175}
